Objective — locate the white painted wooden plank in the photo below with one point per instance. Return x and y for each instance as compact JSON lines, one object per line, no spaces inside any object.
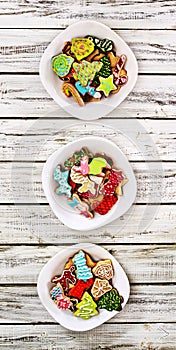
{"x":23,"y":224}
{"x":21,"y":50}
{"x":148,"y":336}
{"x":31,"y":140}
{"x":24,"y":96}
{"x":21,"y":183}
{"x":21,"y":304}
{"x":142,"y":263}
{"x":121,"y":14}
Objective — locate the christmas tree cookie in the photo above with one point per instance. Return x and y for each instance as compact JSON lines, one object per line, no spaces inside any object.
{"x":86,"y":308}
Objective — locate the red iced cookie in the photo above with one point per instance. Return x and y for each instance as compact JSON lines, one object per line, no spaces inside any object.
{"x":78,"y":290}
{"x":115,"y":178}
{"x":67,"y":277}
{"x":105,"y":205}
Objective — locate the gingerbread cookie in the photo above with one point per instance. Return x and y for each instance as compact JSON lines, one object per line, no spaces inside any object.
{"x":66,"y":277}
{"x":62,"y":178}
{"x":83,"y":272}
{"x":86,"y":308}
{"x":103,"y":269}
{"x":100,"y":287}
{"x":111,"y":301}
{"x":61,"y":64}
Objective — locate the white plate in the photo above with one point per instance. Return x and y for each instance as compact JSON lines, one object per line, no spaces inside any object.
{"x":55,"y":267}
{"x":59,"y":203}
{"x":53,"y":84}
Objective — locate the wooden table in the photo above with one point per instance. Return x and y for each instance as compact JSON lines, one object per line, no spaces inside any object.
{"x":143,"y":240}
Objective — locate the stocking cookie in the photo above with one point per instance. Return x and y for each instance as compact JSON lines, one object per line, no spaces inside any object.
{"x":80,"y":287}
{"x":96,"y":166}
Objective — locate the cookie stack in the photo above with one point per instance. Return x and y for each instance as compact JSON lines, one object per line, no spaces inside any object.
{"x":90,"y":69}
{"x":90,"y":182}
{"x":85,"y":286}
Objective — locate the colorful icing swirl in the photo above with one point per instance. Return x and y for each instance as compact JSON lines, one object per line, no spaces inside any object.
{"x":61,"y":64}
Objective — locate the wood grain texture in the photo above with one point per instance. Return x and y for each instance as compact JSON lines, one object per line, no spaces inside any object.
{"x":121,"y":14}
{"x":31,"y":140}
{"x":24,"y":96}
{"x":24,"y":224}
{"x":145,"y":336}
{"x":21,"y":50}
{"x":142,"y":263}
{"x":21,"y":183}
{"x":147,"y":303}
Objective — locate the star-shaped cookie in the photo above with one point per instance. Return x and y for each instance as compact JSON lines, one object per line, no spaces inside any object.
{"x":106,"y":85}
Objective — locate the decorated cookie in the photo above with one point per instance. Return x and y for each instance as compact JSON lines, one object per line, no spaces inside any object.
{"x":85,"y":71}
{"x":61,"y":64}
{"x":106,"y":85}
{"x":115,"y":178}
{"x":75,"y":158}
{"x":105,"y":45}
{"x":56,"y":291}
{"x":80,"y":205}
{"x":69,"y":90}
{"x":105,"y":205}
{"x":100,"y":287}
{"x":63,"y":303}
{"x":96,"y":166}
{"x":62,"y":178}
{"x":120,"y":78}
{"x":111,"y":301}
{"x":68,"y":276}
{"x":103,"y":269}
{"x":83,"y":168}
{"x":105,"y":70}
{"x":87,"y":184}
{"x":87,"y":90}
{"x":82,"y":47}
{"x":80,"y":287}
{"x":83,"y":272}
{"x":86,"y":308}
